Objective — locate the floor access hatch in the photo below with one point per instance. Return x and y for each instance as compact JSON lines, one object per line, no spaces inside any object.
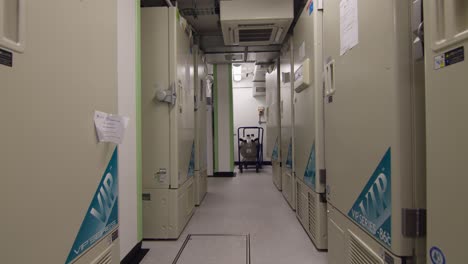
{"x":214,"y":249}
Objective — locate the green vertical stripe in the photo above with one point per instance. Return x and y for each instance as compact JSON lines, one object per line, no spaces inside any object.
{"x":138,"y":122}
{"x":215,"y":119}
{"x":231,"y":118}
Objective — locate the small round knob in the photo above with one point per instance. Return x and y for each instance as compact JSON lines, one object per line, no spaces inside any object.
{"x":161,"y":95}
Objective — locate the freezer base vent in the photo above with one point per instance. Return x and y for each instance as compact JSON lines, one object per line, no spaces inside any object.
{"x":312,"y":215}
{"x":300,"y":201}
{"x":359,"y":253}
{"x":105,"y":257}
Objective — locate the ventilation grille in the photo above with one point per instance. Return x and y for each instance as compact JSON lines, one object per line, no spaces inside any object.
{"x":190,"y":203}
{"x":300,"y":202}
{"x":360,"y":253}
{"x":260,"y":89}
{"x":287,"y":187}
{"x":255,"y":35}
{"x":195,"y":12}
{"x":257,"y":25}
{"x":105,"y":257}
{"x":312,"y":215}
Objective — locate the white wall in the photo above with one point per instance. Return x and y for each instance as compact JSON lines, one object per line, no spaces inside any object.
{"x":244,"y":83}
{"x":127,"y":107}
{"x":246,"y":112}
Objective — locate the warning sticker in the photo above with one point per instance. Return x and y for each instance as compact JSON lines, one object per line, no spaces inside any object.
{"x":449,"y":58}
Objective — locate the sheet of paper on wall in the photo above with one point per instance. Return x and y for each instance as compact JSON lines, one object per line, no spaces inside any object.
{"x":110,"y":128}
{"x":349,"y":28}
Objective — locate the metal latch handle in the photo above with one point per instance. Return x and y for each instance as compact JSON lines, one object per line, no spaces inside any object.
{"x":330,"y":78}
{"x":167,"y":95}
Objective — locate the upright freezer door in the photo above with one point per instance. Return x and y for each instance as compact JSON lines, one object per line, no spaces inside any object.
{"x":182,"y":116}
{"x":446,"y":42}
{"x":369,"y":115}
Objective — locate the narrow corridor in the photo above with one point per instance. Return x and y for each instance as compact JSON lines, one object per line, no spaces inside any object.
{"x":246,"y":204}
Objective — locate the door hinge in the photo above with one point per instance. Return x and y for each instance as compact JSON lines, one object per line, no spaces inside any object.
{"x":323,"y":198}
{"x":323,"y":176}
{"x":320,"y":5}
{"x":414,"y":222}
{"x":389,"y":259}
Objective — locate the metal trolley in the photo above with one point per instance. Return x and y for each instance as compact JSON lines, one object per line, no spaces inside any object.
{"x":250,"y":147}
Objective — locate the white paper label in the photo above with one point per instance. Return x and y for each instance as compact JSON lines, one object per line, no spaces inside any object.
{"x":110,"y":128}
{"x":349,"y":29}
{"x":439,"y":62}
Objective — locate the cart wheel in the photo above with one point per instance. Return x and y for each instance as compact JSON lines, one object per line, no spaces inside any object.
{"x":256,"y":169}
{"x":240,"y":169}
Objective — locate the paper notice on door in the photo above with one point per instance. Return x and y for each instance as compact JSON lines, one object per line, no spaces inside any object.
{"x":349,"y":29}
{"x":110,"y":128}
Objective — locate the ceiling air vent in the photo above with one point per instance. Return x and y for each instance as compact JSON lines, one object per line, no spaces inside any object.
{"x":250,"y":23}
{"x":255,"y":35}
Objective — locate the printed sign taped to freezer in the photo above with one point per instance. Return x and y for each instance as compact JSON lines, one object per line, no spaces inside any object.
{"x":349,"y":26}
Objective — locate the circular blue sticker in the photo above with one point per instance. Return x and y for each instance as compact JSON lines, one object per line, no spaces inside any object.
{"x":437,"y":256}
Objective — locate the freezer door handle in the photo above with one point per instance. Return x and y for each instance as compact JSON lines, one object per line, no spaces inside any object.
{"x":13,"y":24}
{"x":180,"y":89}
{"x":417,"y":26}
{"x":330,"y":78}
{"x":166,"y":96}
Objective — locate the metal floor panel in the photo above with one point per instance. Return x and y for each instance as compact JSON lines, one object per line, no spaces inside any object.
{"x":214,"y":249}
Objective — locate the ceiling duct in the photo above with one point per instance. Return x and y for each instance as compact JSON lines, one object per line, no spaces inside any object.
{"x":260,"y":73}
{"x":259,"y":22}
{"x":225,"y":58}
{"x":234,"y":57}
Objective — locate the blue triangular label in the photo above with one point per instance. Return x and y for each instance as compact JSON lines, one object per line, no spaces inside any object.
{"x":191,"y":167}
{"x":102,"y":215}
{"x":289,"y":158}
{"x":275,"y":154}
{"x":373,"y":208}
{"x":311,"y":7}
{"x":309,"y":174}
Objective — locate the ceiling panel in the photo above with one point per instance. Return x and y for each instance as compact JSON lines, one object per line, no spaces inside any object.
{"x":203,"y":15}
